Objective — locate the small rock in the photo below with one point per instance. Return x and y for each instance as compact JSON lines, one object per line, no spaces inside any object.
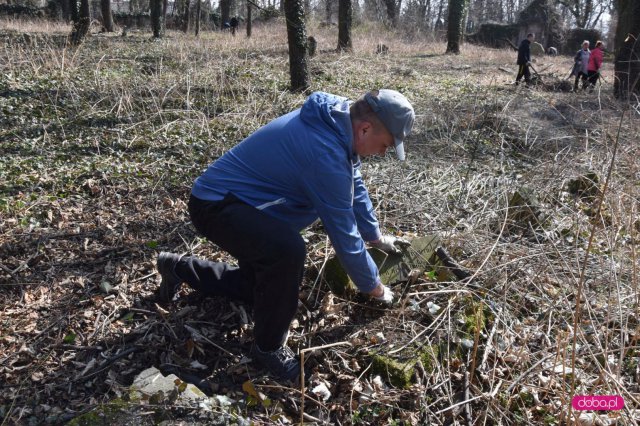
{"x":322,"y":392}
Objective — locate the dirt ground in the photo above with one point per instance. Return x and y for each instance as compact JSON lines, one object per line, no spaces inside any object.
{"x":535,"y":191}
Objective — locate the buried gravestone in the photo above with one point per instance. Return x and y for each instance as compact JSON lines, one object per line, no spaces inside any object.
{"x":419,"y":257}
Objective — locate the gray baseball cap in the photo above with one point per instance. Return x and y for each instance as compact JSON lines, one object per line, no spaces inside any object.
{"x":395,"y":112}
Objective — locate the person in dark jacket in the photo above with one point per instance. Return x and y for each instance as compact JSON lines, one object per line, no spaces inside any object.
{"x":524,"y":59}
{"x":233,"y":23}
{"x":255,"y":199}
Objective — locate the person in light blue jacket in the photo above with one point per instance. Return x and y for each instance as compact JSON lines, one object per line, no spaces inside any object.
{"x":255,"y":199}
{"x":581,"y":63}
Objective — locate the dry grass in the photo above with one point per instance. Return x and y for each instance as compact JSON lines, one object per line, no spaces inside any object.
{"x":101,"y":144}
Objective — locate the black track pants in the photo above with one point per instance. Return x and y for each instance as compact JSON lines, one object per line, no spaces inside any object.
{"x":523,"y":70}
{"x":270,"y":258}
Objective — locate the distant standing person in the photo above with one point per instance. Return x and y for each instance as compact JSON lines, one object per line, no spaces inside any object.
{"x":524,"y":59}
{"x":234,"y":25}
{"x":595,"y":62}
{"x":580,"y":66}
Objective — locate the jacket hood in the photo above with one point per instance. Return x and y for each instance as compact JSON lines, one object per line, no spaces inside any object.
{"x":326,"y":111}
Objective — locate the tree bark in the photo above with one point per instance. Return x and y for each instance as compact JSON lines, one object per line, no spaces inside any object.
{"x":225,"y":12}
{"x":307,"y":9}
{"x":392,"y":16}
{"x":345,"y":16}
{"x":186,"y":16}
{"x":81,"y":26}
{"x":297,"y":38}
{"x":156,"y":18}
{"x":73,"y":9}
{"x":248,"y":20}
{"x":107,"y":19}
{"x":198,"y":8}
{"x":455,"y":28}
{"x":627,"y":47}
{"x":328,"y":10}
{"x":65,"y":8}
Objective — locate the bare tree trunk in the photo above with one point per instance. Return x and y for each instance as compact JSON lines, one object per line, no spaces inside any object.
{"x":438,"y":23}
{"x":455,"y":28}
{"x":107,"y":19}
{"x":73,"y":9}
{"x":156,"y":18}
{"x":627,"y":47}
{"x":345,"y":14}
{"x":248,"y":20}
{"x":307,"y":9}
{"x":391,"y":12}
{"x":65,"y":9}
{"x":328,"y":10}
{"x":198,"y":8}
{"x":297,"y":38}
{"x":81,"y":26}
{"x":225,"y":12}
{"x":185,"y":16}
{"x":427,"y":15}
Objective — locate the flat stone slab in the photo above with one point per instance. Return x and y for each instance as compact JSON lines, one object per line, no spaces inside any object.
{"x":151,"y":384}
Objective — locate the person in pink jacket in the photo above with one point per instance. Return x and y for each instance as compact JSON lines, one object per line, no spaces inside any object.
{"x":595,"y":62}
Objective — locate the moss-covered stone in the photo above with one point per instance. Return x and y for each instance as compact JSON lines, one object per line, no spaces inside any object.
{"x":399,"y":374}
{"x":393,"y":268}
{"x":116,"y":411}
{"x":524,"y":206}
{"x":400,"y":369}
{"x":473,"y":317}
{"x":585,"y":186}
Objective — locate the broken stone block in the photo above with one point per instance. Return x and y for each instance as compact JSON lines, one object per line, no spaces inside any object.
{"x":585,"y":186}
{"x":399,"y":370}
{"x":394,"y":268}
{"x":524,"y":208}
{"x":152,"y":385}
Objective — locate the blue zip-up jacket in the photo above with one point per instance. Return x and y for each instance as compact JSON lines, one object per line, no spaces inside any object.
{"x":299,"y":167}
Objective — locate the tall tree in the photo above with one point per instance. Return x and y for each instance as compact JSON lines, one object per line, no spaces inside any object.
{"x":157,"y":18}
{"x":455,"y":28}
{"x":81,"y":26}
{"x":225,"y":12}
{"x":345,"y":15}
{"x":249,"y":19}
{"x":297,"y":39}
{"x":627,"y":46}
{"x":75,"y":12}
{"x":393,"y":11}
{"x":328,"y":10}
{"x":198,"y":7}
{"x":186,"y":16}
{"x":107,"y":19}
{"x":65,"y":8}
{"x":586,"y":13}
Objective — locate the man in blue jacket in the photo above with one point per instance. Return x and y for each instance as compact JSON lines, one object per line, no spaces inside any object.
{"x":254,"y":200}
{"x":524,"y":59}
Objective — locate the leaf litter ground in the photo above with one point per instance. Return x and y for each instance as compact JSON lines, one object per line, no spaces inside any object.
{"x":101,"y":144}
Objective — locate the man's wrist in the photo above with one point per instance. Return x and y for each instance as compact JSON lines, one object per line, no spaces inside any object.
{"x":378,"y":291}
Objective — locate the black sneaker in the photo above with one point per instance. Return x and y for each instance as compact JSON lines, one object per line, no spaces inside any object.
{"x":170,"y":283}
{"x":281,"y":363}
